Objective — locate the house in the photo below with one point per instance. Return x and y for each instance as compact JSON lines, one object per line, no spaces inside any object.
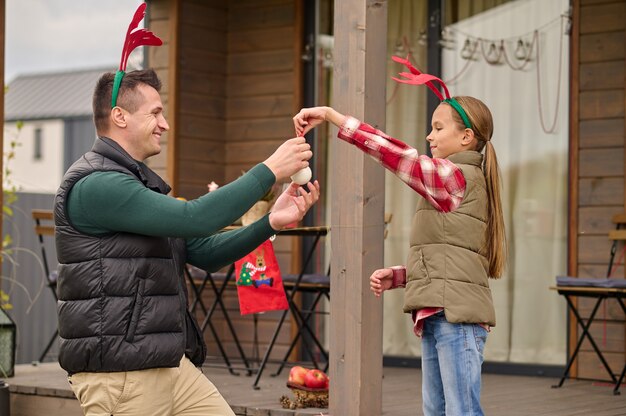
{"x":55,"y":115}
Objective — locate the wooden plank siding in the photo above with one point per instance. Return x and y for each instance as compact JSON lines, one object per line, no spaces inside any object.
{"x":202,"y":65}
{"x":232,"y":82}
{"x":263,"y":82}
{"x":162,"y":21}
{"x":598,"y":136}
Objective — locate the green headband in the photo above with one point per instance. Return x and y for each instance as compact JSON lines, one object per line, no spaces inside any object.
{"x":134,"y":37}
{"x":116,"y":87}
{"x":455,"y":104}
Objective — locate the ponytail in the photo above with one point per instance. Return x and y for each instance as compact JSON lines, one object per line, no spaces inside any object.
{"x":495,"y":234}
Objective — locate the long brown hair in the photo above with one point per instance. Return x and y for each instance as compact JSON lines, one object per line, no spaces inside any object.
{"x":495,"y":235}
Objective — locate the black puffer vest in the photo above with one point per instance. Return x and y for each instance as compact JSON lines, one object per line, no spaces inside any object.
{"x":122,"y":297}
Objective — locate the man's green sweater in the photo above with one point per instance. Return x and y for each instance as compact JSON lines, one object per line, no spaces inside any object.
{"x":109,"y":202}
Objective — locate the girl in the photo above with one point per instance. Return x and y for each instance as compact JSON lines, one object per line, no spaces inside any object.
{"x":457,"y":242}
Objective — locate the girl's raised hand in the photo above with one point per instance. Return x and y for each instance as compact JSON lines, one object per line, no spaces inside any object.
{"x":380,"y":281}
{"x":308,"y":118}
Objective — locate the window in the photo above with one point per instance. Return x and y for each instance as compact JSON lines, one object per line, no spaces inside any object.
{"x":37,"y":144}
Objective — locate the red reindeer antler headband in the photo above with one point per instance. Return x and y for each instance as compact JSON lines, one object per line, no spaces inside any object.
{"x":134,"y":38}
{"x":417,"y":78}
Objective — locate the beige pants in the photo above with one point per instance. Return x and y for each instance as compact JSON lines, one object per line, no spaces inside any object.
{"x":155,"y":392}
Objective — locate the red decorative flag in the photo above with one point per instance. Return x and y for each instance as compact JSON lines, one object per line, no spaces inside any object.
{"x":259,"y":283}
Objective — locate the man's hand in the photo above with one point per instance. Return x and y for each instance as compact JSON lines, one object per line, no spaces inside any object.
{"x":309,"y":118}
{"x":292,"y":204}
{"x":381,"y":280}
{"x":289,"y":158}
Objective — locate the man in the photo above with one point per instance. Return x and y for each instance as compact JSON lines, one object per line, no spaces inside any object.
{"x":128,"y":343}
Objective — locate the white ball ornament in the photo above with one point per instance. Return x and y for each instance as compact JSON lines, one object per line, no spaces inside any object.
{"x":303,"y":176}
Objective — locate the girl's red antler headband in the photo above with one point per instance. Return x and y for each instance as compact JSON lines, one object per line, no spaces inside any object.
{"x":417,"y":78}
{"x":134,"y":38}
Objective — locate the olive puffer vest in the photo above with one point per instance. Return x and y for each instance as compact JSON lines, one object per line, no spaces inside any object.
{"x":122,"y":297}
{"x":447,"y":266}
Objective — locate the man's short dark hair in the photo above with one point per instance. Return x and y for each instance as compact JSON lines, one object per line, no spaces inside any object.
{"x":129,"y":98}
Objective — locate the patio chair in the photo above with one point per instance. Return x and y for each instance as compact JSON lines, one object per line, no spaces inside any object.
{"x":600,"y":289}
{"x":44,"y":227}
{"x":317,"y":287}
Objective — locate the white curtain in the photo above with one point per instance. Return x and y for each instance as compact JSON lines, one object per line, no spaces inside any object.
{"x":530,"y":318}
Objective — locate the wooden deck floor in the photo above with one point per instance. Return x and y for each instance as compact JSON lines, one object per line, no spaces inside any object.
{"x":43,"y":390}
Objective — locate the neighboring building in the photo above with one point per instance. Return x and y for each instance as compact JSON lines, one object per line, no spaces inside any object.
{"x":55,"y":109}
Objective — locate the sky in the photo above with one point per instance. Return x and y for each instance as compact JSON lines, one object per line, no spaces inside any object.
{"x":60,"y":35}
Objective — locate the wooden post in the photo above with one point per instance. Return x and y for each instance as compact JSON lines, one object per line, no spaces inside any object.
{"x":173,"y":147}
{"x":358,"y":195}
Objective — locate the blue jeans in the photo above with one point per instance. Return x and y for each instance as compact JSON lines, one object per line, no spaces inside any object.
{"x":452,"y":356}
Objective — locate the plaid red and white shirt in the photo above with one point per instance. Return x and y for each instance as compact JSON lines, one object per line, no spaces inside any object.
{"x":440,"y":181}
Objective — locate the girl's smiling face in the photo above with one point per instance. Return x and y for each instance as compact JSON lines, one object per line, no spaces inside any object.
{"x":447,"y":136}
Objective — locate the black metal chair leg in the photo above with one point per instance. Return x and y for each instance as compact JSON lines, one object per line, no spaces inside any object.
{"x":281,"y":321}
{"x":595,"y":346}
{"x":306,"y":317}
{"x":207,"y":321}
{"x":198,"y":301}
{"x":222,"y":350}
{"x":45,"y":351}
{"x":585,"y":328}
{"x":619,"y":381}
{"x":269,"y":351}
{"x":621,"y":376}
{"x":231,"y":327}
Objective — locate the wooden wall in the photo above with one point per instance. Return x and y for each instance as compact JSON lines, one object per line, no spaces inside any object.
{"x":597,"y":166}
{"x":201,"y":78}
{"x":161,"y":20}
{"x":232,"y":68}
{"x":192,"y":64}
{"x":263,"y":80}
{"x":232,"y":82}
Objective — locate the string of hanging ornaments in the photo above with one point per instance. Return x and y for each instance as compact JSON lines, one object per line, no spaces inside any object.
{"x":516,"y":52}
